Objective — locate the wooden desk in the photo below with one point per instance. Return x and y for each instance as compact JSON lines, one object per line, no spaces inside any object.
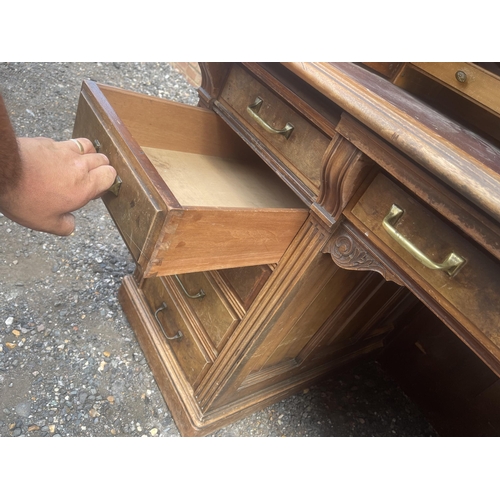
{"x":383,"y":203}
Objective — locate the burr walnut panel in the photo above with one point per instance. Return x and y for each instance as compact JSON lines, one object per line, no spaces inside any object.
{"x":210,"y":306}
{"x":179,"y":335}
{"x":302,"y":150}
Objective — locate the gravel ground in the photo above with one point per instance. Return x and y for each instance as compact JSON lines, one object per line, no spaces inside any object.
{"x":69,"y":362}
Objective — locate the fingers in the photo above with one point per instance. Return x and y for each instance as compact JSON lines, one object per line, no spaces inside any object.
{"x":102,"y":175}
{"x":84,"y":146}
{"x":61,"y":225}
{"x":66,"y":225}
{"x":81,"y":145}
{"x":102,"y":178}
{"x":95,"y":160}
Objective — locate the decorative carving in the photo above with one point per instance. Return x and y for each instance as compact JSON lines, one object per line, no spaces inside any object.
{"x":349,"y":252}
{"x":345,"y":251}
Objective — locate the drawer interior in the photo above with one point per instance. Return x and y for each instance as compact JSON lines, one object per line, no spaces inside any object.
{"x":202,"y":161}
{"x":213,"y":181}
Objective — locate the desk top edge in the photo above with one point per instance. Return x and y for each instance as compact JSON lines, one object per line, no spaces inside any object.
{"x":464,"y":161}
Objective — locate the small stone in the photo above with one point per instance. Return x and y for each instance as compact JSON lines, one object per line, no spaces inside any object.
{"x":16,"y":333}
{"x":10,"y":345}
{"x":23,"y":409}
{"x":111,"y":399}
{"x":52,"y":428}
{"x":107,"y":354}
{"x":153,"y":431}
{"x":33,"y":428}
{"x":9,"y":321}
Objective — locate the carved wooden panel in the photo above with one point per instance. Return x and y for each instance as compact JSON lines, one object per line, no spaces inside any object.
{"x":349,"y":252}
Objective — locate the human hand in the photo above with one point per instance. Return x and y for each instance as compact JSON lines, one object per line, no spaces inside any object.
{"x":56,"y":179}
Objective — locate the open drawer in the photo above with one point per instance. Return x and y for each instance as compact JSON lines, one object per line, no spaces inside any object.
{"x":193,"y":196}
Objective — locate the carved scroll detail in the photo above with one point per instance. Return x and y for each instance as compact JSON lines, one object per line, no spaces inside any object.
{"x":349,"y":252}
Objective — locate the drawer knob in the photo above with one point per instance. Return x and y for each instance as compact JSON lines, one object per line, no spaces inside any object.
{"x":461,"y":76}
{"x":199,"y":295}
{"x":163,"y":307}
{"x":451,"y":265}
{"x":115,"y":188}
{"x":253,"y":110}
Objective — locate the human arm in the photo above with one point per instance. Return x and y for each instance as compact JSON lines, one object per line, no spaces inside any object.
{"x":42,"y":181}
{"x":10,"y":161}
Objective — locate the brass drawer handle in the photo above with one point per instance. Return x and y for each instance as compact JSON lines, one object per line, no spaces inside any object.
{"x":451,"y":265}
{"x":178,"y":335}
{"x":254,"y":108}
{"x":199,"y":295}
{"x":115,"y":188}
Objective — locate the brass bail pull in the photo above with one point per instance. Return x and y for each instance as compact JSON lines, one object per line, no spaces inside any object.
{"x":451,"y":265}
{"x":163,"y":307}
{"x":253,"y":110}
{"x":199,"y":295}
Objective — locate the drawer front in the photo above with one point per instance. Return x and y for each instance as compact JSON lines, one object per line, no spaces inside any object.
{"x":207,"y":301}
{"x":188,"y":349}
{"x":302,"y":150}
{"x":136,"y":210}
{"x":466,"y":278}
{"x":471,"y":80}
